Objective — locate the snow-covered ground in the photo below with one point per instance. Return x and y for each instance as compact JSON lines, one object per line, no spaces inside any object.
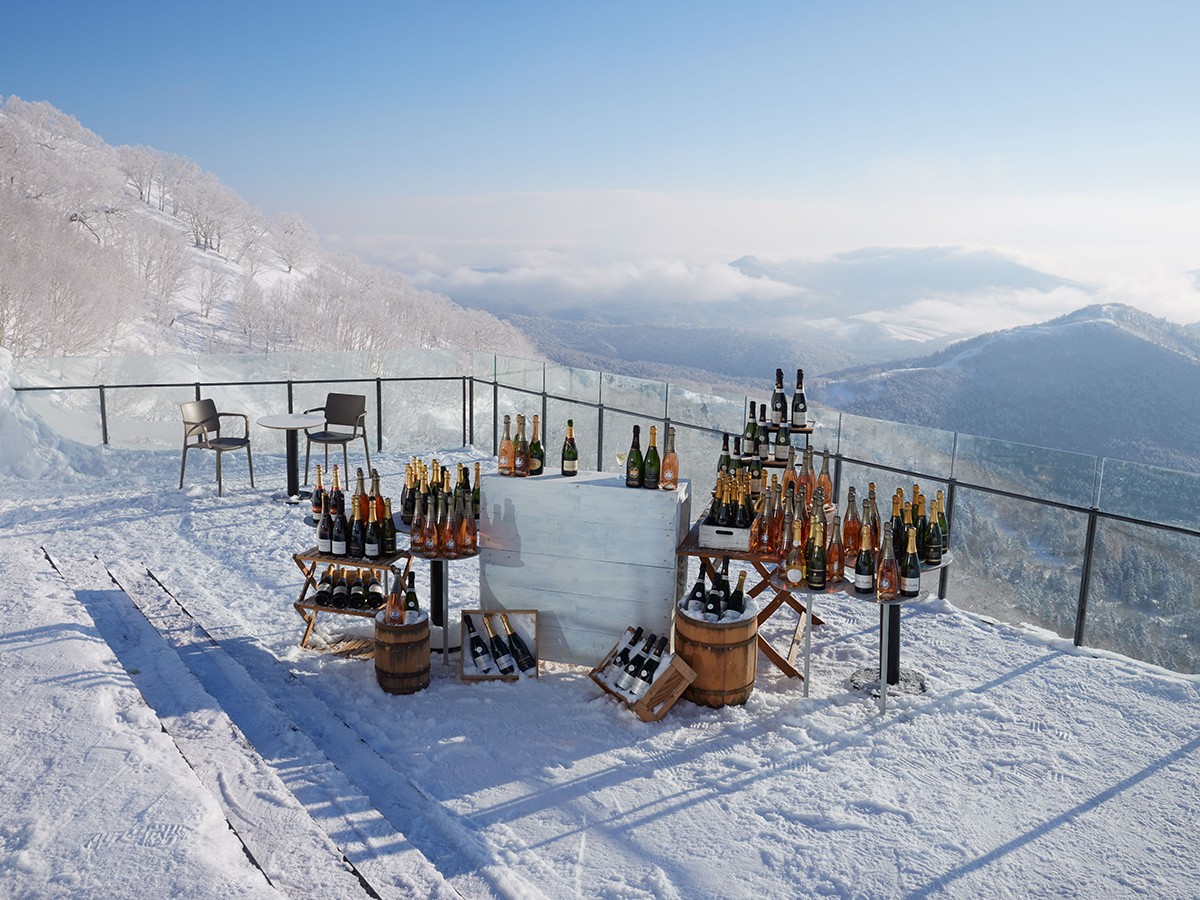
{"x":163,"y":734}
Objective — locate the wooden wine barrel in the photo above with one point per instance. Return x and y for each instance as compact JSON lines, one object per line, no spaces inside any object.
{"x":402,"y":655}
{"x":724,"y":655}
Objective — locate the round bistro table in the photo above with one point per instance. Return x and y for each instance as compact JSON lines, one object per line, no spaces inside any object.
{"x":292,"y":423}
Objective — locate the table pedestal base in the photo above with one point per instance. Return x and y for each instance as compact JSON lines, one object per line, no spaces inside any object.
{"x":910,"y":681}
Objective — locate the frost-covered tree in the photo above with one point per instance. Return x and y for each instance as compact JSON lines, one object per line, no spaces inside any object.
{"x":295,"y":240}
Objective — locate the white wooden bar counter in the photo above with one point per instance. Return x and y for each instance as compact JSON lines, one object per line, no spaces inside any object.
{"x":589,"y":554}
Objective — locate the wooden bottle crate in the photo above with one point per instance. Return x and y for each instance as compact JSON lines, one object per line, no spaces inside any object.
{"x":668,"y":686}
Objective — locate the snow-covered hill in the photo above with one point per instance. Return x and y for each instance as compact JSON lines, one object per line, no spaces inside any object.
{"x":1106,"y":380}
{"x":133,"y":250}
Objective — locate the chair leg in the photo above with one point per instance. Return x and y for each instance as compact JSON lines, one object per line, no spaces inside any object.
{"x":250,"y":461}
{"x":182,"y":466}
{"x":220,"y":490}
{"x":307,"y":451}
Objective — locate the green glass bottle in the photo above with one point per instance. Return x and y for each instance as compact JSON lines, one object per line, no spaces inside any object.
{"x":634,"y":464}
{"x":652,"y":466}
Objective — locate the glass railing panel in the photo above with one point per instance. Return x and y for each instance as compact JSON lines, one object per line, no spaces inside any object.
{"x":570,"y":383}
{"x":722,"y":414}
{"x":1142,"y":595}
{"x":908,"y":447}
{"x":1055,"y":475}
{"x":1016,"y":561}
{"x":526,"y":374}
{"x":586,"y":419}
{"x":635,"y":396}
{"x":1150,"y":493}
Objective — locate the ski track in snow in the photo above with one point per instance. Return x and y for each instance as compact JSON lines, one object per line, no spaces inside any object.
{"x":1028,"y":768}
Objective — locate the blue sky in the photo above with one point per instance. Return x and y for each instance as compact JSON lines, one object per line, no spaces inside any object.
{"x":446,"y":137}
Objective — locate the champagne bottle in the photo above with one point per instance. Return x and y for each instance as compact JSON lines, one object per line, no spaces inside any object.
{"x":361,"y":497}
{"x":520,"y":451}
{"x":372,"y":536}
{"x":393,"y":613}
{"x":475,"y":494}
{"x":910,"y":568}
{"x":817,"y":571}
{"x":751,"y":431}
{"x":429,"y":529}
{"x":933,"y":538}
{"x":479,"y":651}
{"x":778,"y":403}
{"x":356,"y":542}
{"x":723,"y":460}
{"x":570,"y":453}
{"x":737,"y":600}
{"x":408,"y":497}
{"x":448,"y":533}
{"x":897,"y":528}
{"x":318,"y":496}
{"x":468,"y":531}
{"x":852,"y":523}
{"x":783,"y":443}
{"x":411,"y":603}
{"x":633,"y":461}
{"x":537,"y":453}
{"x":887,"y":572}
{"x":670,"y":464}
{"x":793,"y":566}
{"x":712,"y":600}
{"x":358,"y":589}
{"x":339,"y":534}
{"x":621,"y":659}
{"x":943,"y":523}
{"x":764,"y":434}
{"x":341,"y":590}
{"x":325,"y":528}
{"x":864,"y":565}
{"x":824,"y":481}
{"x":645,"y":675}
{"x":698,"y":594}
{"x":835,"y":553}
{"x":375,"y":595}
{"x":652,"y":467}
{"x":501,"y":656}
{"x":626,"y":679}
{"x":516,"y":643}
{"x":337,"y":500}
{"x":325,"y":588}
{"x":799,"y":403}
{"x":389,"y":528}
{"x":504,"y":458}
{"x":735,"y":458}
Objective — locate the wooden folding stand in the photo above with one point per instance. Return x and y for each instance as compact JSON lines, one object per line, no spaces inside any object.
{"x":764,"y":566}
{"x":310,"y":560}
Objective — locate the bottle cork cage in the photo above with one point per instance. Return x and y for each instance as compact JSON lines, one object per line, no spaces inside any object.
{"x":524,"y":623}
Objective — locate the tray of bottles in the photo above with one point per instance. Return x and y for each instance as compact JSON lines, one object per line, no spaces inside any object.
{"x":649,"y":694}
{"x":723,"y":537}
{"x":499,"y":645}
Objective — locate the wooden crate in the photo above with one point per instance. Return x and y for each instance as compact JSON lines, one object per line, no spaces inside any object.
{"x":669,"y":683}
{"x":588,"y":553}
{"x":713,"y":537}
{"x":524,"y":623}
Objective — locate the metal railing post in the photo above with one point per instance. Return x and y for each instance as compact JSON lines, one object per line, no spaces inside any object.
{"x":471,"y":400}
{"x":600,"y":424}
{"x":197,"y":390}
{"x":464,"y":411}
{"x":378,"y":415}
{"x":1085,"y":576}
{"x":291,"y":405}
{"x":495,"y":414}
{"x":103,"y":418}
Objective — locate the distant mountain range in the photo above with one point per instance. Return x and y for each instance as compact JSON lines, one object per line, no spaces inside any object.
{"x":1107,"y":380}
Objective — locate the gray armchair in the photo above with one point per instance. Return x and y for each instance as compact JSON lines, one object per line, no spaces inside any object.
{"x":342,"y":412}
{"x":202,"y":430}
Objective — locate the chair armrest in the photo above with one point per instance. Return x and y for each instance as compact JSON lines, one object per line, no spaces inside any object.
{"x":245,"y":420}
{"x":315,"y":409}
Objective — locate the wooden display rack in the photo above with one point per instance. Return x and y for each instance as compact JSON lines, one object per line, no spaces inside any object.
{"x":764,"y":566}
{"x":668,"y":685}
{"x":310,"y":560}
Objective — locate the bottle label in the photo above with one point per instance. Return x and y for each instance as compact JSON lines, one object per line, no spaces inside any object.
{"x":337,"y":548}
{"x":799,"y":418}
{"x":570,"y":465}
{"x":371,"y":550}
{"x":324,"y":545}
{"x":795,"y":575}
{"x":863,"y":582}
{"x":910,"y":585}
{"x":520,"y":463}
{"x":535,"y":466}
{"x":504,"y":661}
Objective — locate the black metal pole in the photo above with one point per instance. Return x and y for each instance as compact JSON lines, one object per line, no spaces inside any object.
{"x":291,"y":407}
{"x":944,"y":579}
{"x":1085,"y":576}
{"x":103,"y":418}
{"x":378,"y":415}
